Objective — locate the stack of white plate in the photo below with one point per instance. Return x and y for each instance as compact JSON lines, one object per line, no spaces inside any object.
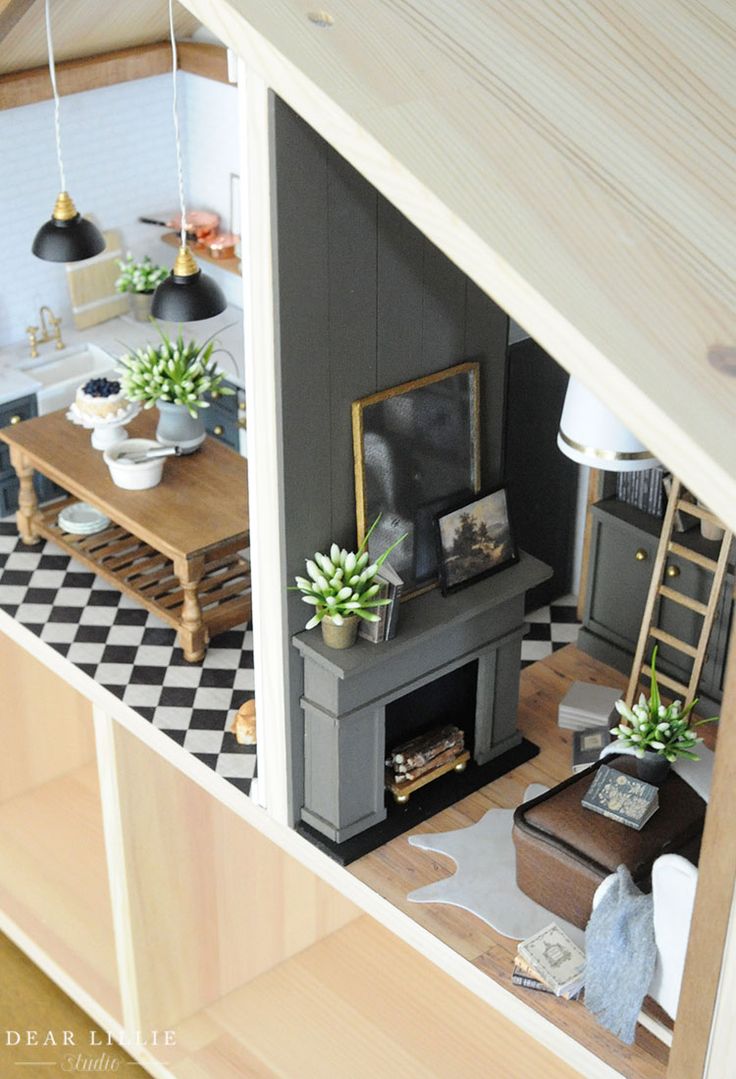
{"x":81,"y":519}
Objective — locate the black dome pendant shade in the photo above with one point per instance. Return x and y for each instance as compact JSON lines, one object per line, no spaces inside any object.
{"x":67,"y":236}
{"x":187,"y":295}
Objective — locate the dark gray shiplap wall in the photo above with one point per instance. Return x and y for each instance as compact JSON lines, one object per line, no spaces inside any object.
{"x":365,"y":302}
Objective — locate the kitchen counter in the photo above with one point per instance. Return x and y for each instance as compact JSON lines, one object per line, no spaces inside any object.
{"x":116,"y":336}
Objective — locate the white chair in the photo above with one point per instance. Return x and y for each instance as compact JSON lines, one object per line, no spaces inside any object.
{"x":674,"y":881}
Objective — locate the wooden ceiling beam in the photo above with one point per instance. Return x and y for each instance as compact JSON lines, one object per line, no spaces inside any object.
{"x":11,"y":12}
{"x":123,"y":65}
{"x":209,"y":61}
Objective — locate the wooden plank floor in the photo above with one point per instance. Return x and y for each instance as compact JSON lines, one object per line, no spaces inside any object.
{"x":397,"y":868}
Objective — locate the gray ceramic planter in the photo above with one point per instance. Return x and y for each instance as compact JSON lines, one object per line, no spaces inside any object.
{"x":177,"y":428}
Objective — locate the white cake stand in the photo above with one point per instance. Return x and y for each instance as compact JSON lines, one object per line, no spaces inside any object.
{"x":106,"y":431}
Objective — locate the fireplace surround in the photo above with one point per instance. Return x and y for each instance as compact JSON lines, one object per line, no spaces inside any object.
{"x":347,"y":694}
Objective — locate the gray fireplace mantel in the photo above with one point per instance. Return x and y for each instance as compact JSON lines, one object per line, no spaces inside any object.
{"x":346,"y":692}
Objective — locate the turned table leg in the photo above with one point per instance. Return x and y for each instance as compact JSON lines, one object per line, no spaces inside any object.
{"x":27,"y":501}
{"x":192,"y":630}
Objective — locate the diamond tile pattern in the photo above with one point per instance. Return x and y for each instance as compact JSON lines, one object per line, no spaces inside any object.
{"x":132,"y":653}
{"x":550,"y":628}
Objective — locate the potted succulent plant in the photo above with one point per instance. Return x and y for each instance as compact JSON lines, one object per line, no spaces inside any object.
{"x":659,"y":734}
{"x":140,"y":280}
{"x":342,"y":588}
{"x":176,"y":376}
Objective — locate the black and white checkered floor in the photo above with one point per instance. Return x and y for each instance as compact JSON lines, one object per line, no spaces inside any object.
{"x":550,"y":628}
{"x":132,"y":653}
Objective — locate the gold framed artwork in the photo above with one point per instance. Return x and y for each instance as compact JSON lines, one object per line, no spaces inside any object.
{"x":417,"y":450}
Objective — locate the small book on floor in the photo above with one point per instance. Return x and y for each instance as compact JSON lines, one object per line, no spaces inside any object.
{"x":622,"y":798}
{"x":587,"y":705}
{"x":587,"y":746}
{"x":552,"y":958}
{"x":524,"y":976}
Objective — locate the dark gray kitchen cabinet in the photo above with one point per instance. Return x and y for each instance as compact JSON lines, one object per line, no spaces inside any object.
{"x":222,"y":419}
{"x":23,"y":408}
{"x":623,"y":546}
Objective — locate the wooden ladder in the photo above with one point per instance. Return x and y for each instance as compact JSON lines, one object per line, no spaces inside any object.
{"x":658,"y":591}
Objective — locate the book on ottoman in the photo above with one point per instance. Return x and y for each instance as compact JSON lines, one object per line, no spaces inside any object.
{"x":622,"y":798}
{"x":586,"y":705}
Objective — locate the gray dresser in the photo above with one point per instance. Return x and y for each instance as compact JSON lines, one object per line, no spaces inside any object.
{"x":623,"y":546}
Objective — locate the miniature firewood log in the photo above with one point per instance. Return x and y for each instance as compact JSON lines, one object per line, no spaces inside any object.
{"x":244,"y":724}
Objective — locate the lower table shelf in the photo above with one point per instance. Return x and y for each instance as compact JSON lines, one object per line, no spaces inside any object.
{"x":137,"y":569}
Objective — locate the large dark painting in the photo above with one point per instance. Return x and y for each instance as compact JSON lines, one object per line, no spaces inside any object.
{"x":417,"y":450}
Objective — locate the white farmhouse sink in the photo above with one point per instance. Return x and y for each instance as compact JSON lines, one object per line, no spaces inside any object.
{"x":61,"y":375}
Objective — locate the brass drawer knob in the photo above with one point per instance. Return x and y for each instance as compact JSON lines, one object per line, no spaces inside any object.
{"x":218,"y":429}
{"x":673,"y":571}
{"x":14,"y":420}
{"x":641,"y":555}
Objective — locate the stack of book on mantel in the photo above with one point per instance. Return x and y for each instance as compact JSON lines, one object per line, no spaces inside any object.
{"x":390,"y":587}
{"x":549,"y":962}
{"x":414,"y":763}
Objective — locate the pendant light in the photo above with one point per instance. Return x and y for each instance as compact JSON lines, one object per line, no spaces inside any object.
{"x":187,"y":295}
{"x":591,"y":435}
{"x":67,"y":236}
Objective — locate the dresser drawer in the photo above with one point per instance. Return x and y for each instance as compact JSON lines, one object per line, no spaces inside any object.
{"x":222,"y":426}
{"x":24,"y":408}
{"x":227,"y":403}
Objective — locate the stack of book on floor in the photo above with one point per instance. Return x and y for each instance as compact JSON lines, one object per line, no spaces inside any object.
{"x":586,"y":705}
{"x":391,"y":587}
{"x":414,"y":763}
{"x":549,"y":962}
{"x":588,"y":711}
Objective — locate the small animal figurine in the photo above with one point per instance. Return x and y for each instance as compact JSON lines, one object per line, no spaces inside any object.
{"x":244,"y":724}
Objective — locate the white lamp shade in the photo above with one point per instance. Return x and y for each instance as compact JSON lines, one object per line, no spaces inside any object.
{"x":591,"y":435}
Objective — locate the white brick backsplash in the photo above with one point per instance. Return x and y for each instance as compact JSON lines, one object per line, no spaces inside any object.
{"x":118,"y":145}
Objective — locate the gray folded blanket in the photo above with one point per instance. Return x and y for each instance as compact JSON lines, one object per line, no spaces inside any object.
{"x":620,"y":952}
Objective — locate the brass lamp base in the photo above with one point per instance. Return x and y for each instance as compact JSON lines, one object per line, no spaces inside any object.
{"x":64,"y":208}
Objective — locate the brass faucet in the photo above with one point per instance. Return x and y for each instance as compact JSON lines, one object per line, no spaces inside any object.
{"x":47,"y":334}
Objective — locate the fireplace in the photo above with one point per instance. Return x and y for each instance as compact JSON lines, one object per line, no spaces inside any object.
{"x":451,"y":698}
{"x":464,"y":648}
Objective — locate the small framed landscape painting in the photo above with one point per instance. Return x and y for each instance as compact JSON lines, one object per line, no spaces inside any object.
{"x":474,"y":540}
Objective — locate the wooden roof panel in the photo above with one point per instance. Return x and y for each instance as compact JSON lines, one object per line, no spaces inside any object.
{"x":83,"y":28}
{"x":575,"y":159}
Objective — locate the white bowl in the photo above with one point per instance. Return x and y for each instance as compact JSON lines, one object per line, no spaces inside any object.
{"x":134,"y":477}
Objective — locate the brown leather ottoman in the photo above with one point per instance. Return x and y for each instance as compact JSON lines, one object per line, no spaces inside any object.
{"x":563,"y":851}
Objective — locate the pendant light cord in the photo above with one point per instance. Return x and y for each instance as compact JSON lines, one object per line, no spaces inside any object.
{"x":52,"y":72}
{"x":180,"y":174}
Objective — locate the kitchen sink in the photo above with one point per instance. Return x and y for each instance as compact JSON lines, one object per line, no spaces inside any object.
{"x":61,"y":375}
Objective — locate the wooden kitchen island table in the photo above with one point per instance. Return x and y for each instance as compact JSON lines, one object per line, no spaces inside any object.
{"x":176,"y":548}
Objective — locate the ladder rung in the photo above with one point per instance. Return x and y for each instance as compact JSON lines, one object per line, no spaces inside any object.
{"x":682,"y":599}
{"x":665,"y":680}
{"x":693,"y":556}
{"x":698,"y":511}
{"x":674,"y":642}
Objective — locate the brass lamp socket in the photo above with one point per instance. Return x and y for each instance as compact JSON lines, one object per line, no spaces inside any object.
{"x":64,"y":208}
{"x":185,"y":264}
